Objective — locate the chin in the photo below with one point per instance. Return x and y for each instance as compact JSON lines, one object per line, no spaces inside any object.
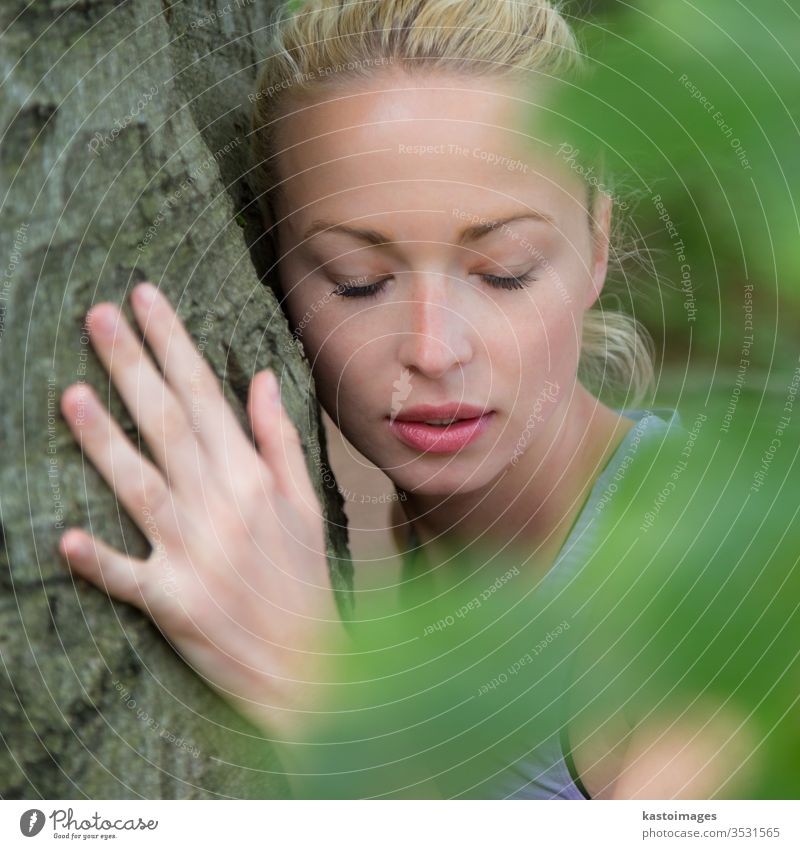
{"x":456,"y":479}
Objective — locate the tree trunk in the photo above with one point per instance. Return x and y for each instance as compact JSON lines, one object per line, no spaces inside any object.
{"x":124,"y":154}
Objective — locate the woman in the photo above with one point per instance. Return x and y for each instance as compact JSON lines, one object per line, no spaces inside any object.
{"x":438,"y":266}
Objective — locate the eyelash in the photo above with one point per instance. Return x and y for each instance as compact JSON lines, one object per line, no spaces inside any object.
{"x":373,"y":289}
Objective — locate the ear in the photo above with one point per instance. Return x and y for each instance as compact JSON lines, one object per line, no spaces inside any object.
{"x":601,"y":222}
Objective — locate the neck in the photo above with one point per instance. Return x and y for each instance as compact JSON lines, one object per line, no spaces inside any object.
{"x":532,"y":504}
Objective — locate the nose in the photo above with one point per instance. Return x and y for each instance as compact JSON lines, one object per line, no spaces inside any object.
{"x":435,"y":336}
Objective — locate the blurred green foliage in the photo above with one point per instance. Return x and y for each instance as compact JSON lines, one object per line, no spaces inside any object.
{"x":689,"y":607}
{"x":698,"y":586}
{"x":693,"y":111}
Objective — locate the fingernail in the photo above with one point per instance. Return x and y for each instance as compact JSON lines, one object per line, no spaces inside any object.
{"x":79,"y":408}
{"x":74,"y":544}
{"x":145,"y":293}
{"x":101,"y":317}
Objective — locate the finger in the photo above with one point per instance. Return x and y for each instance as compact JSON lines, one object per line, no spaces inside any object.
{"x":151,"y":403}
{"x":279,"y":442}
{"x":136,"y":482}
{"x":116,"y":574}
{"x":189,"y":375}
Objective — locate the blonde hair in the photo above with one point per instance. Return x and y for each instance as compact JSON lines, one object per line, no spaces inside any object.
{"x":323,"y":44}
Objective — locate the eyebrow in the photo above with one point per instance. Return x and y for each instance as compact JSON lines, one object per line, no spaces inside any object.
{"x":468,"y":234}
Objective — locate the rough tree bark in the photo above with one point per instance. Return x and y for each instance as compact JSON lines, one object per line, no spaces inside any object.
{"x":123,"y":158}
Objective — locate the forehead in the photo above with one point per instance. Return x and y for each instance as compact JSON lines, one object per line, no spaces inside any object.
{"x":419,"y":142}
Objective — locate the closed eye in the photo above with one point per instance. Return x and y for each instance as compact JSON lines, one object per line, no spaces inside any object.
{"x":346,"y":290}
{"x":510,"y":282}
{"x":350,"y":291}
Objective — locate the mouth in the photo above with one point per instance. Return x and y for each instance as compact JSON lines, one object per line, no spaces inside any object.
{"x":440,"y":430}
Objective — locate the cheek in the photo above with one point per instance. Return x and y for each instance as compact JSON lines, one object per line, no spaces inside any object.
{"x":542,"y":371}
{"x":564,"y":336}
{"x":345,"y":367}
{"x":546,"y":338}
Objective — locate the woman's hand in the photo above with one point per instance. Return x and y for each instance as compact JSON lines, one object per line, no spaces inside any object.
{"x":237,"y":579}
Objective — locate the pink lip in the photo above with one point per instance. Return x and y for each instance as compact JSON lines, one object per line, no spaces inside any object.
{"x":409,"y":428}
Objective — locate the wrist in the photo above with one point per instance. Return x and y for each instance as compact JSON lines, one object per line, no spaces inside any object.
{"x":301,"y":716}
{"x":301,"y":684}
